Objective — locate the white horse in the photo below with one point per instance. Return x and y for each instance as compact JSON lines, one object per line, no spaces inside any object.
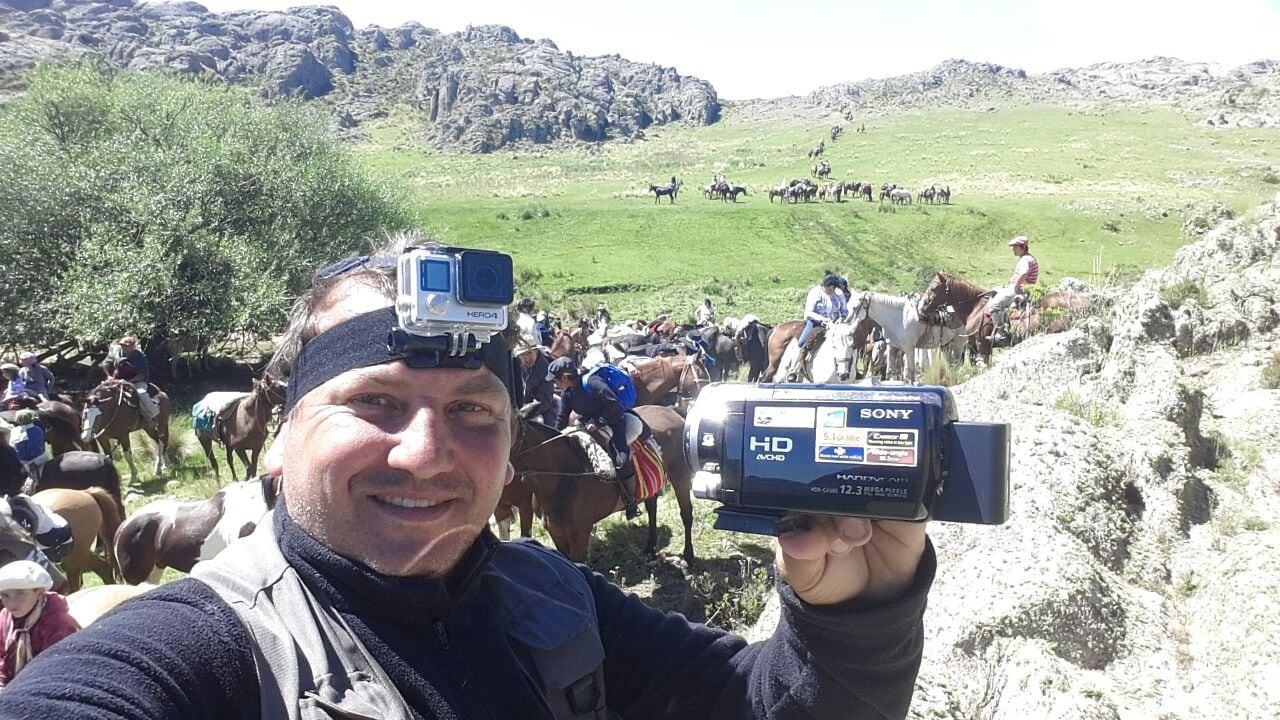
{"x":832,"y":360}
{"x":903,"y":326}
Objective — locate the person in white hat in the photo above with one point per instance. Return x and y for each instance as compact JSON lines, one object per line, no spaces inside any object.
{"x":33,"y":618}
{"x":1025,"y":273}
{"x":538,"y":402}
{"x":16,"y":386}
{"x":39,"y":379}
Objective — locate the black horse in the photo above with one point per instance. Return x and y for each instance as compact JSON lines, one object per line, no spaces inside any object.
{"x":669,"y":190}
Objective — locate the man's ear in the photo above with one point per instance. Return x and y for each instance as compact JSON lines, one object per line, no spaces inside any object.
{"x":273,"y":461}
{"x":511,"y":473}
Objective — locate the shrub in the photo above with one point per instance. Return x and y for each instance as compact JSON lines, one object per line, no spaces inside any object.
{"x":1090,"y":411}
{"x":1271,"y":373}
{"x":153,"y":205}
{"x":1178,"y":293}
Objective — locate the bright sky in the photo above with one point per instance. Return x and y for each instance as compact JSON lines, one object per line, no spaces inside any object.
{"x":769,"y":48}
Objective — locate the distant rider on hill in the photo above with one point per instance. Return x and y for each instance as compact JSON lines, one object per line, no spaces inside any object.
{"x":1025,"y":273}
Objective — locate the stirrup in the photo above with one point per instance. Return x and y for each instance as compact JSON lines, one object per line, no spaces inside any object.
{"x":632,"y":510}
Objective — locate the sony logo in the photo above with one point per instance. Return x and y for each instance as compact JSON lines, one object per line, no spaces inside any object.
{"x":486,"y":314}
{"x":885,"y":414}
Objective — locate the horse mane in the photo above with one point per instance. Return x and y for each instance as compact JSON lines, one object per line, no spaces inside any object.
{"x":962,"y":287}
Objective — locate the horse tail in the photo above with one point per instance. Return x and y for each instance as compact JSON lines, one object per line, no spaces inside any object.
{"x":111,"y":483}
{"x":111,"y":520}
{"x":135,"y":547}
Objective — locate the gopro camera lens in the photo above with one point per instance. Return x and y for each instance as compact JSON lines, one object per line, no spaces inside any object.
{"x":485,"y":278}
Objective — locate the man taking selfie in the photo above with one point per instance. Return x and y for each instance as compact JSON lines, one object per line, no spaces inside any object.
{"x":376,"y":590}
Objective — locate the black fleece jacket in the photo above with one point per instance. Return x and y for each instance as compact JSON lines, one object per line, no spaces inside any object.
{"x":180,"y":652}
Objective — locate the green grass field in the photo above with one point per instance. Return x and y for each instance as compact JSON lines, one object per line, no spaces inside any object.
{"x":1102,"y":194}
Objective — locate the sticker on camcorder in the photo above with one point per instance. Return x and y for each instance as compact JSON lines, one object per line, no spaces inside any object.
{"x":783,"y":417}
{"x":866,"y":446}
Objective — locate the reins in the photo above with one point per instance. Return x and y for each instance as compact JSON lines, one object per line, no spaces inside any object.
{"x":119,"y":402}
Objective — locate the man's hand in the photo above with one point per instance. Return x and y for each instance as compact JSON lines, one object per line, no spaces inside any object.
{"x":842,"y":558}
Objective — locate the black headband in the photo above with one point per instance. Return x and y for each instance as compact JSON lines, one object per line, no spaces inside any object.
{"x":374,"y":338}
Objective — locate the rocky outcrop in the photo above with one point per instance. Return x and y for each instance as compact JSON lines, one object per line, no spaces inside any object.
{"x":1244,"y":96}
{"x":1138,"y":571}
{"x":482,"y":88}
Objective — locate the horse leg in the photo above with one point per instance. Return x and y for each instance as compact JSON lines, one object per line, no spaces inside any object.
{"x":651,"y":543}
{"x":207,"y":445}
{"x":127,"y":450}
{"x":251,"y":463}
{"x":101,"y":568}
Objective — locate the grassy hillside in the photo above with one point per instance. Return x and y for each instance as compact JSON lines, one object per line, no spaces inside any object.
{"x":1102,"y":193}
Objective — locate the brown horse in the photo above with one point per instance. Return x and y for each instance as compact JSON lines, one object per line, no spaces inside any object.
{"x":83,"y":470}
{"x":168,"y":533}
{"x":111,"y":413}
{"x":967,"y":303}
{"x":91,"y":514}
{"x":655,"y":377}
{"x":784,"y":332}
{"x":571,"y":498}
{"x":242,"y":426}
{"x":516,"y":496}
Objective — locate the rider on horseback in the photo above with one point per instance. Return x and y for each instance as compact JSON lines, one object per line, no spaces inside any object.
{"x":596,"y":404}
{"x":822,"y":305}
{"x":1025,"y":273}
{"x":705,"y":314}
{"x":28,"y":439}
{"x":38,"y":378}
{"x":131,"y":364}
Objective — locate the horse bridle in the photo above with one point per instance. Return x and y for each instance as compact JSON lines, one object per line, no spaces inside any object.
{"x":119,"y":402}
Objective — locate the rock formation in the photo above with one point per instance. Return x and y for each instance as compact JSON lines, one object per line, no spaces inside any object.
{"x":1138,"y":576}
{"x":482,"y":88}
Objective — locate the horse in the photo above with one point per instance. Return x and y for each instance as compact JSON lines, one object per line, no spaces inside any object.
{"x":169,"y":533}
{"x":89,"y":604}
{"x":833,"y":359}
{"x":92,"y":515}
{"x":928,"y":194}
{"x":944,"y":195}
{"x":903,"y":326}
{"x":866,"y":192}
{"x":670,"y":190}
{"x":781,"y":335}
{"x":111,"y":413}
{"x":571,"y":498}
{"x":898,"y":196}
{"x":83,"y":470}
{"x":733,"y":192}
{"x":723,"y":351}
{"x":780,"y":192}
{"x":242,"y":426}
{"x":175,"y":349}
{"x":655,"y":378}
{"x":966,"y":302}
{"x":752,"y":338}
{"x":17,"y":544}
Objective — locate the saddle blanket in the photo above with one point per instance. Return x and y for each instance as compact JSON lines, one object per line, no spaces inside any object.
{"x":646,"y":456}
{"x":211,"y":406}
{"x":651,"y":475}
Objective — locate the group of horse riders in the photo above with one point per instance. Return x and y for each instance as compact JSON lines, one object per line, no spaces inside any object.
{"x":828,"y":302}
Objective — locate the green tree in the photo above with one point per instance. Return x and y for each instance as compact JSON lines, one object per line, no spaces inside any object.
{"x":149,"y":204}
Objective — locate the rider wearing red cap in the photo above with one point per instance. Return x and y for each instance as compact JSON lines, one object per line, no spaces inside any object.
{"x":1025,"y":273}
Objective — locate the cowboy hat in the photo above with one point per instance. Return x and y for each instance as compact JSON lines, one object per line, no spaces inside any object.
{"x":8,"y":366}
{"x":521,"y":347}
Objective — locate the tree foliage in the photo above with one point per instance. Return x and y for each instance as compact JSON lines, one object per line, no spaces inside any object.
{"x":165,"y":207}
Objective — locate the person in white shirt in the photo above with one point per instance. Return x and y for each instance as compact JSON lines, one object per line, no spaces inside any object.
{"x":1025,"y":273}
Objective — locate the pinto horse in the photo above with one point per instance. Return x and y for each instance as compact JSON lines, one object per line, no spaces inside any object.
{"x":571,"y":498}
{"x":91,"y":514}
{"x":169,"y":533}
{"x":779,"y":339}
{"x":242,"y":426}
{"x":111,"y":413}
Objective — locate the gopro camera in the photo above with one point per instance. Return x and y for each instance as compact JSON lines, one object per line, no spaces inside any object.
{"x":769,"y":451}
{"x":455,"y":293}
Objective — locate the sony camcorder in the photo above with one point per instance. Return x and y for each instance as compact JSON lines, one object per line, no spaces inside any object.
{"x":460,"y":295}
{"x":767,"y":452}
